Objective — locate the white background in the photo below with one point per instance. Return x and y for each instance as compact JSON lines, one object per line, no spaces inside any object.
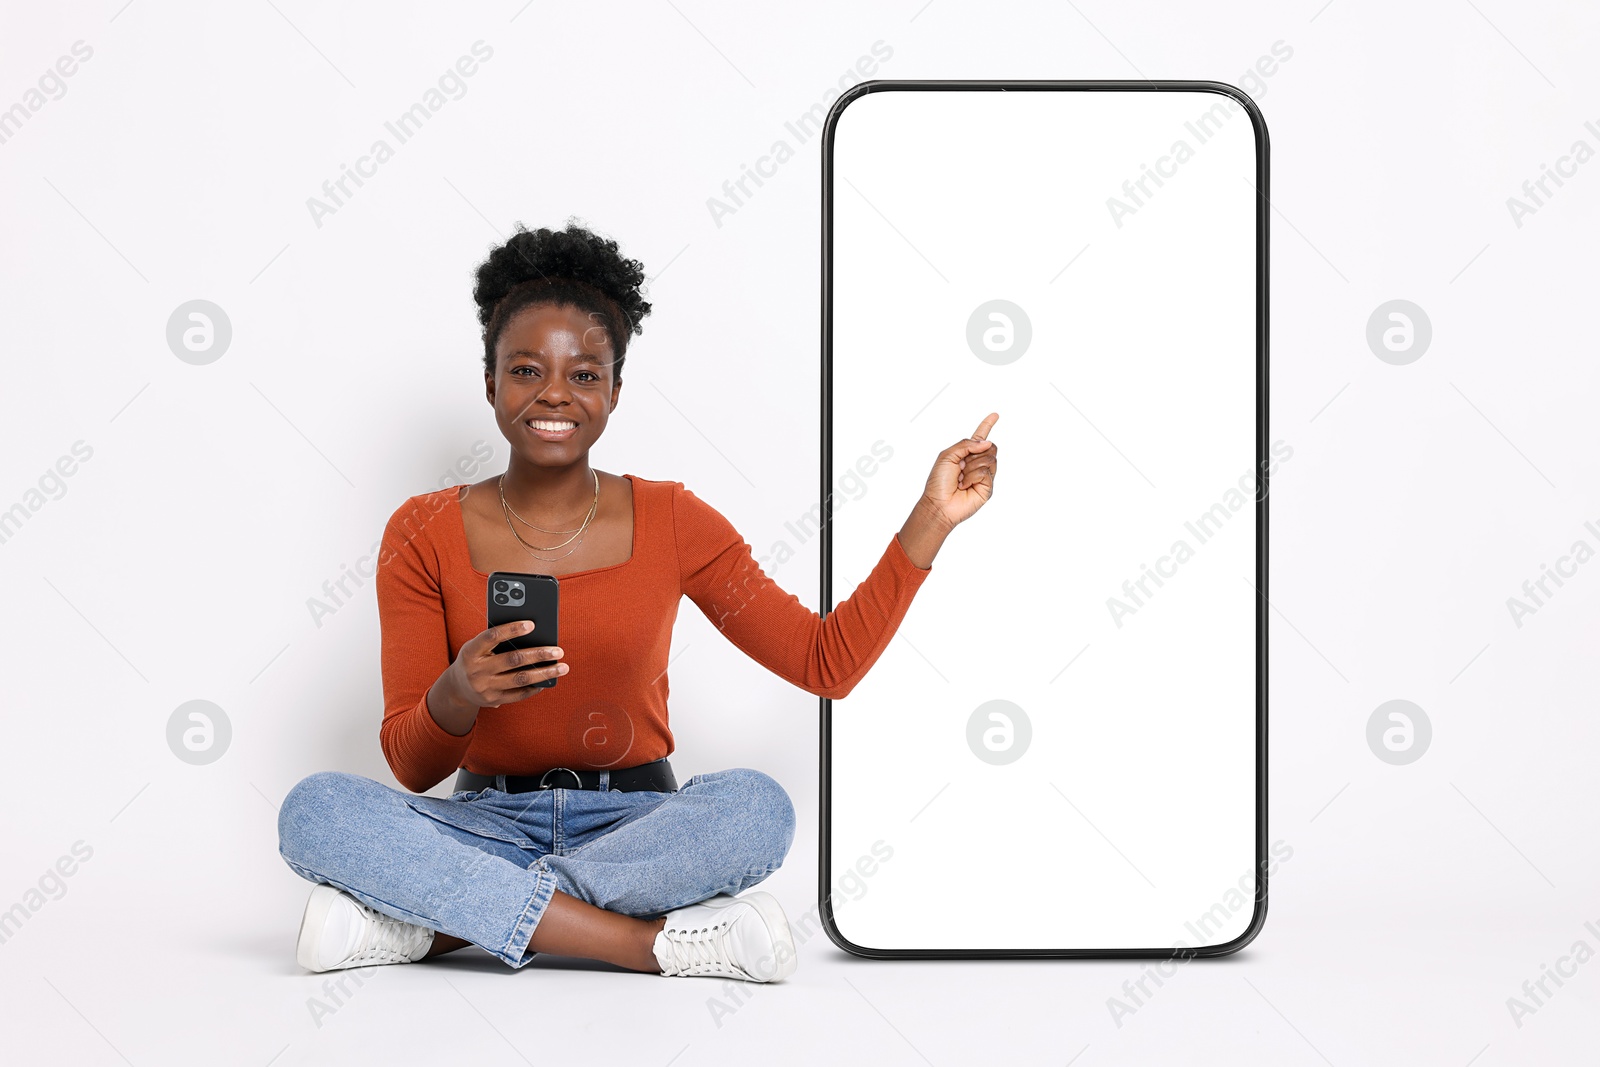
{"x":1418,"y":898}
{"x":1130,"y":799}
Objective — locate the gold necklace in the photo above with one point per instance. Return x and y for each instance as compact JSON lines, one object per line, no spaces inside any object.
{"x":536,"y":526}
{"x":506,"y":510}
{"x":506,"y":507}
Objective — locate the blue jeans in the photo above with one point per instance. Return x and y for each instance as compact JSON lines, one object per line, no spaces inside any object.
{"x":482,"y":865}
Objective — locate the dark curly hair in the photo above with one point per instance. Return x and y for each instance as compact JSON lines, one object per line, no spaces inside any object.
{"x":574,"y":267}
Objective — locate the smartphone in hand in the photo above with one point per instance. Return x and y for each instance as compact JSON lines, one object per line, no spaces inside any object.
{"x":514,"y":597}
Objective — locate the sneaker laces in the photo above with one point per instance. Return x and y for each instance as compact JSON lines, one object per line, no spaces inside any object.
{"x":389,"y":940}
{"x":699,"y":950}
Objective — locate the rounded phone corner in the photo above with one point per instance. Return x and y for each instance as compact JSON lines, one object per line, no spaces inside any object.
{"x":830,"y":926}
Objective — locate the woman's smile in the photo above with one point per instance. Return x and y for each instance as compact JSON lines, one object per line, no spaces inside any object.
{"x":552,"y":429}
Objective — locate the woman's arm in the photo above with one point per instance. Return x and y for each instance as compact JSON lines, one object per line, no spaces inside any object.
{"x":827,"y":656}
{"x":923,"y":534}
{"x":824,"y":656}
{"x":419,"y":748}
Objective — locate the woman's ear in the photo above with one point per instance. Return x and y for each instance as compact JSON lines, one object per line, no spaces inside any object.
{"x":488,"y":386}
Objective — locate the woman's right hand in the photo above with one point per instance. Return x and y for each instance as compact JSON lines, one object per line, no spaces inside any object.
{"x":482,"y":678}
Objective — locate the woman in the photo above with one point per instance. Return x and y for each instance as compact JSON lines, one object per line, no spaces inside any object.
{"x":566,"y":831}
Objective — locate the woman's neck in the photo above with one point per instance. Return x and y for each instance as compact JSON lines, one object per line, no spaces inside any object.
{"x":555,"y":493}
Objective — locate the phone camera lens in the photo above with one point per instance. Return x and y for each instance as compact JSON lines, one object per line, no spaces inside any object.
{"x":501,"y":598}
{"x":500,"y":587}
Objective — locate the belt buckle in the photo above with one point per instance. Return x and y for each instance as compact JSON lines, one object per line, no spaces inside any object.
{"x":577,"y":781}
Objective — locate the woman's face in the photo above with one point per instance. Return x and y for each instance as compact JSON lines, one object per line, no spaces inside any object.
{"x":552,"y":364}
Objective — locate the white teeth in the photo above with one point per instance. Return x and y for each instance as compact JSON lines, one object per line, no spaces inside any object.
{"x":553,"y":426}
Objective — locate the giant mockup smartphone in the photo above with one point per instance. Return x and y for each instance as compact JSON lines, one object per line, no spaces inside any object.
{"x":1062,"y":752}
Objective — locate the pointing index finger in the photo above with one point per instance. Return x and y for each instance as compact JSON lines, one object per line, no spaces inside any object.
{"x":985,"y":426}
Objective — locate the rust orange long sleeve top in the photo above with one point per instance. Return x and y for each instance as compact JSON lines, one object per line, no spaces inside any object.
{"x":615,"y":629}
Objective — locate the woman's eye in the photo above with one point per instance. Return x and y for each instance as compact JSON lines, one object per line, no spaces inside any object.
{"x":518,"y":371}
{"x":591,"y":374}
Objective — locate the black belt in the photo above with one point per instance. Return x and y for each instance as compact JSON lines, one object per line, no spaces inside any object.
{"x":656,"y":776}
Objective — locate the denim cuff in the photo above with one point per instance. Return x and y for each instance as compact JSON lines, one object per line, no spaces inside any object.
{"x":515,"y":950}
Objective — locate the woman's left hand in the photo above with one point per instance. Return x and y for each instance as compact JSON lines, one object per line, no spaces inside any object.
{"x":962,"y":479}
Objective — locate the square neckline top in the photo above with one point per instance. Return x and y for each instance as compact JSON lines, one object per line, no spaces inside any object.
{"x":459,"y":528}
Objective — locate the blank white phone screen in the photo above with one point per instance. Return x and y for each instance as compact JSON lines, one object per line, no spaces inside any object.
{"x":1058,"y":748}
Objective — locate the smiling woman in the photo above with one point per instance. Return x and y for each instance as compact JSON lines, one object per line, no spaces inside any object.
{"x":567,"y":831}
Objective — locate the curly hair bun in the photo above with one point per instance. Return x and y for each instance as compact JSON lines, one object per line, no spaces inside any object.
{"x":571,"y":267}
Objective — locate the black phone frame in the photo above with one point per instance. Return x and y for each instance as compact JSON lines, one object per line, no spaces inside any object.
{"x":1263,"y":204}
{"x":533,"y":640}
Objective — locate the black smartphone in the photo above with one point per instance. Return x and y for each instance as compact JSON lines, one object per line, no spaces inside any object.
{"x":513,"y":597}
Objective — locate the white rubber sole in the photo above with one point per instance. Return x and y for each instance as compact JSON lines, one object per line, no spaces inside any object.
{"x":782,"y":937}
{"x":323,"y":898}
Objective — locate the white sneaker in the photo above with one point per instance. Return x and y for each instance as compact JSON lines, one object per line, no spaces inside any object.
{"x":339,"y":931}
{"x":743,"y":937}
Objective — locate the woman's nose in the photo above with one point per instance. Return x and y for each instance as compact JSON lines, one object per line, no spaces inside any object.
{"x":555,"y":392}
